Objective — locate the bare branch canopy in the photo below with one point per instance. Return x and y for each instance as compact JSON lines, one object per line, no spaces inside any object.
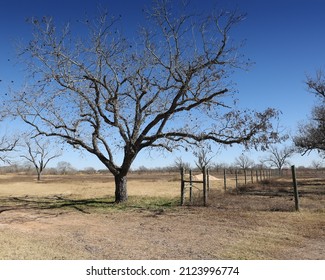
{"x":311,"y":134}
{"x":166,"y":87}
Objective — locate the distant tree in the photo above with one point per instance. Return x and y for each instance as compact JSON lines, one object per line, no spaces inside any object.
{"x":262,"y":164}
{"x":219,"y":166}
{"x":311,"y":135}
{"x":39,"y":153}
{"x":89,"y":170}
{"x":166,"y":87}
{"x":27,"y":167}
{"x":279,"y":157}
{"x":203,"y":156}
{"x":317,"y":164}
{"x":179,"y":164}
{"x":12,"y":168}
{"x":244,"y":162}
{"x":143,"y":169}
{"x":64,"y":168}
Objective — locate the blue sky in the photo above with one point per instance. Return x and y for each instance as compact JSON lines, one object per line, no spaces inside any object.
{"x":285,"y":39}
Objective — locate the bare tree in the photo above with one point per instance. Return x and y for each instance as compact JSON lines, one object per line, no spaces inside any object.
{"x":279,"y":157}
{"x":89,"y":170}
{"x":244,"y":162}
{"x":64,"y":168}
{"x":39,"y":153}
{"x":311,"y":135}
{"x":317,"y":164}
{"x":180,"y":164}
{"x":164,"y":88}
{"x":203,"y":157}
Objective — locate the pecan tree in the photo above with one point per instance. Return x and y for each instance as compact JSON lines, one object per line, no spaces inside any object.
{"x":165,"y":87}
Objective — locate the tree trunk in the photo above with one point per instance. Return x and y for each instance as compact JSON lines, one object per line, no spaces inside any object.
{"x":121,"y":194}
{"x":38,"y":175}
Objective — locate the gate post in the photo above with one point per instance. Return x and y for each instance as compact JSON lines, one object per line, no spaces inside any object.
{"x":182,"y":187}
{"x":205,"y":192}
{"x":191,"y":189}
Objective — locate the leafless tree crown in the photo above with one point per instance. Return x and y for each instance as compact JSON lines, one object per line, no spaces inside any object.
{"x":39,"y":153}
{"x":244,"y":162}
{"x":165,"y":87}
{"x":278,"y":157}
{"x":311,"y":135}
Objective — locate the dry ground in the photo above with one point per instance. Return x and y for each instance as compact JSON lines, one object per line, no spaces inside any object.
{"x":73,"y":217}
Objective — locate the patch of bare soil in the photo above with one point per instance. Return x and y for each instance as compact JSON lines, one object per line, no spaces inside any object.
{"x":182,"y":233}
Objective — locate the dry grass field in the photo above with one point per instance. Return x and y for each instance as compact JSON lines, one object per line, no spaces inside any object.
{"x":74,"y":217}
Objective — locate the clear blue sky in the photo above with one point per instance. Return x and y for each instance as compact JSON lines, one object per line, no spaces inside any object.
{"x":285,"y":38}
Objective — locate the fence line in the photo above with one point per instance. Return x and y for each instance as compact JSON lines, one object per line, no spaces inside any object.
{"x":246,"y":176}
{"x":232,"y":179}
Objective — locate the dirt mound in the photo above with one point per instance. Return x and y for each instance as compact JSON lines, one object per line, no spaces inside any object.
{"x":199,"y":177}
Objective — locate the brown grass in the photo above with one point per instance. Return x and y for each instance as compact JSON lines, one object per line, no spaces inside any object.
{"x":73,"y":217}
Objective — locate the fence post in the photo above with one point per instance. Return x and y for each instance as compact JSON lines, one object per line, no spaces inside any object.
{"x":245,"y":176}
{"x":224,"y":180}
{"x":208,"y":180}
{"x":256,"y":176}
{"x":252,"y":180}
{"x":205,"y":193}
{"x":191,"y":189}
{"x":182,"y":187}
{"x":236,"y":176}
{"x":295,"y":187}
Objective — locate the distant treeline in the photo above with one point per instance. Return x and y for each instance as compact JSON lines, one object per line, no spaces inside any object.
{"x":64,"y":167}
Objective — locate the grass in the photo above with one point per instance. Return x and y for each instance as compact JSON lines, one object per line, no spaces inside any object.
{"x":88,"y":205}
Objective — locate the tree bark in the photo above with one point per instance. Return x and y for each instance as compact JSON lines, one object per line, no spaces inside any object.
{"x":121,"y":194}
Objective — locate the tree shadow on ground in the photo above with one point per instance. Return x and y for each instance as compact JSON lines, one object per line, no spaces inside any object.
{"x":54,"y":202}
{"x":86,"y":205}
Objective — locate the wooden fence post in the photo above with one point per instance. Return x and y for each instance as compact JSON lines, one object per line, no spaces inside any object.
{"x":208,"y":180}
{"x":191,"y":189}
{"x":295,"y":187}
{"x":236,"y":176}
{"x":182,"y":187}
{"x":205,"y":193}
{"x":224,"y":180}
